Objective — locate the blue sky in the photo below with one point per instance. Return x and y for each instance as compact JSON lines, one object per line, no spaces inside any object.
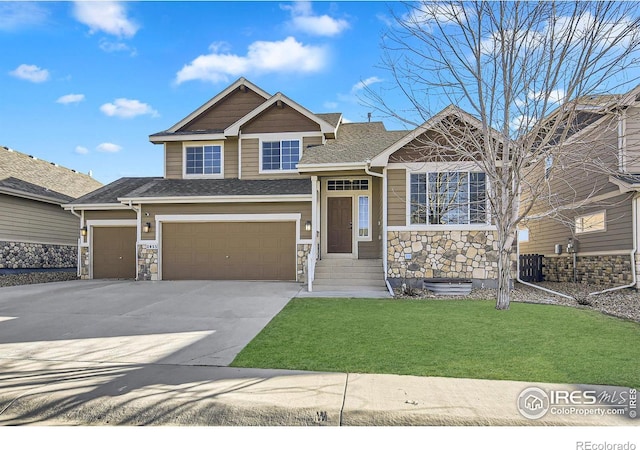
{"x":84,"y":84}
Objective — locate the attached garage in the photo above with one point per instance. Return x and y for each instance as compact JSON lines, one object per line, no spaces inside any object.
{"x":114,"y":252}
{"x":229,"y":251}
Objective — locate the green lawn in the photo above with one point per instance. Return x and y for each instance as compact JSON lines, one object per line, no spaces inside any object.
{"x":452,"y":338}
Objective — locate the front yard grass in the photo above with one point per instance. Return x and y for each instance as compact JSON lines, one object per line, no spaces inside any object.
{"x":449,"y":338}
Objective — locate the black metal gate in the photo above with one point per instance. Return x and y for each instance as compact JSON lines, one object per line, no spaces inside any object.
{"x":531,"y":268}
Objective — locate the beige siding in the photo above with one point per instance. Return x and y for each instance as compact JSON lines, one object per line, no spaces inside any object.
{"x":231,"y":158}
{"x":372,"y":249}
{"x":303,"y":208}
{"x":251,"y":161}
{"x":225,"y":112}
{"x":25,"y":220}
{"x":173,"y":159}
{"x":544,"y":234}
{"x":119,"y":214}
{"x":311,"y":141}
{"x":280,"y":120}
{"x":632,"y":134}
{"x":397,"y":197}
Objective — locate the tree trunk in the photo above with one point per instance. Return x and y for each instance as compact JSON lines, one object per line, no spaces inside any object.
{"x":504,"y":280}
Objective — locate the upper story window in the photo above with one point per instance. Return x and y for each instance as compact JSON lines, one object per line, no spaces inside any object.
{"x":591,"y":222}
{"x":280,"y":155}
{"x":203,"y":160}
{"x":448,"y":198}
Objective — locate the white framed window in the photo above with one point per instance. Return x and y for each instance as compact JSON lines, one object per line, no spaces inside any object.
{"x":203,"y":160}
{"x":448,"y":198}
{"x":589,"y":223}
{"x":364,"y":217}
{"x":282,"y":155}
{"x":548,"y":165}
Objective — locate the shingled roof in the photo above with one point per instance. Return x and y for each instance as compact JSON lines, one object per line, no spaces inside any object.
{"x":47,"y":175}
{"x":112,"y":191}
{"x":356,"y":142}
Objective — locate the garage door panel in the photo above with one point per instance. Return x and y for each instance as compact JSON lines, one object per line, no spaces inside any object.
{"x":114,"y":252}
{"x":229,"y":251}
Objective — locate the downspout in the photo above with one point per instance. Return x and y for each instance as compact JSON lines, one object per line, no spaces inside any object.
{"x":632,"y":253}
{"x":138,"y":212}
{"x":531,"y":284}
{"x":367,"y":170}
{"x":78,"y":259}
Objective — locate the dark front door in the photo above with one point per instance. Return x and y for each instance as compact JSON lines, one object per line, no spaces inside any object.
{"x":339,"y":225}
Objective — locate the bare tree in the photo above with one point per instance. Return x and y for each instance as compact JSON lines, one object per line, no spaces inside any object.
{"x":524,"y":72}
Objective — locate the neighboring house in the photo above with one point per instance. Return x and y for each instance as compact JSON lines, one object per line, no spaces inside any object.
{"x":597,"y":223}
{"x":257,"y":187}
{"x":36,"y":234}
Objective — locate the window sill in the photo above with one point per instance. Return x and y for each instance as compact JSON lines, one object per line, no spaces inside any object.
{"x":211,"y":176}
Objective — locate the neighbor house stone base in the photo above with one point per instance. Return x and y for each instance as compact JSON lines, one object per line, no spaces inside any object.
{"x":26,"y":255}
{"x":608,"y":270}
{"x":301,"y":261}
{"x":147,"y":263}
{"x":36,"y":277}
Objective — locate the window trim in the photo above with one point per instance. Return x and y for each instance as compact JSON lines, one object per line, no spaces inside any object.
{"x":594,"y":213}
{"x":279,"y":138}
{"x":487,"y":224}
{"x":202,"y":144}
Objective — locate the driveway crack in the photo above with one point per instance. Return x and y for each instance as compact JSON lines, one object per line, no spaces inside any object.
{"x":344,"y":399}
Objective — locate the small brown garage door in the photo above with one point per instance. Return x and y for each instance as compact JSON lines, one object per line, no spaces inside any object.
{"x":229,"y":251}
{"x":114,"y":252}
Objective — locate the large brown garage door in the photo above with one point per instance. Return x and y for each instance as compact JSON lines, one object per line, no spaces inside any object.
{"x":229,"y":251}
{"x":114,"y":252}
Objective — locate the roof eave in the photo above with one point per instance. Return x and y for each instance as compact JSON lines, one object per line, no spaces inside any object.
{"x":30,"y":196}
{"x":326,"y":167}
{"x":94,"y":206}
{"x":187,"y":137}
{"x":219,"y":199}
{"x":623,"y":185}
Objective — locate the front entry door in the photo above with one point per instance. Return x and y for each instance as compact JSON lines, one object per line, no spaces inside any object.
{"x":339,"y":225}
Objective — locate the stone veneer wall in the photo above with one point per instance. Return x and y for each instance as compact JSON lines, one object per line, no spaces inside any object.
{"x":147,"y":263}
{"x":301,"y":261}
{"x":24,"y":255}
{"x":85,"y":263}
{"x":442,"y":254}
{"x":609,"y":270}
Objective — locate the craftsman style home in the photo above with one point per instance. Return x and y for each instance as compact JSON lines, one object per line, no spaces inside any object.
{"x":257,"y":187}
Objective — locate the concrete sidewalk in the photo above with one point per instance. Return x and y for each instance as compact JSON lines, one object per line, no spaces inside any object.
{"x":62,"y":392}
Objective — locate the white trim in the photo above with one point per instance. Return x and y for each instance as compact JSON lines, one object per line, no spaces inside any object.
{"x":233,"y":129}
{"x":186,"y":218}
{"x":221,"y":199}
{"x":228,"y":90}
{"x":327,"y":167}
{"x":95,"y":206}
{"x":585,"y":254}
{"x":458,"y":166}
{"x":384,"y":240}
{"x":369,"y":236}
{"x":147,"y":242}
{"x":187,"y":137}
{"x":240,"y":155}
{"x":304,"y":241}
{"x":289,"y":135}
{"x":203,"y":144}
{"x":425,"y":228}
{"x":622,"y":141}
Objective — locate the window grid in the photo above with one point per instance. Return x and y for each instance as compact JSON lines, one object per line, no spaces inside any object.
{"x":280,"y":155}
{"x":363,"y":216}
{"x":348,"y":185}
{"x":448,"y":198}
{"x":204,"y":160}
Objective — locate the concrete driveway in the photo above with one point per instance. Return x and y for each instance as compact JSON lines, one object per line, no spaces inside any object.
{"x":191,"y":323}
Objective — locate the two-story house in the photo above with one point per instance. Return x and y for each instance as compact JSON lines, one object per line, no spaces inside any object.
{"x":257,"y":187}
{"x":587,"y":226}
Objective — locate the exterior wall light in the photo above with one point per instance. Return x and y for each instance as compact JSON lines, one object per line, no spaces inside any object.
{"x":307,"y":225}
{"x":147,"y":227}
{"x":83,"y":231}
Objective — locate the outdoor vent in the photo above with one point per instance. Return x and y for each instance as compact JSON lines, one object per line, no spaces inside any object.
{"x":33,"y":157}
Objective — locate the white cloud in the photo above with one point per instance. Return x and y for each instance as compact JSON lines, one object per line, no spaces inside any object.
{"x":80,"y":150}
{"x":434,"y":12}
{"x":108,"y":147}
{"x":31,"y":73}
{"x":106,"y":16}
{"x":330,"y":105}
{"x":365,"y":83}
{"x":287,"y":56}
{"x":70,"y":98}
{"x":111,"y":47}
{"x":303,"y":19}
{"x":16,"y":15}
{"x":127,"y":109}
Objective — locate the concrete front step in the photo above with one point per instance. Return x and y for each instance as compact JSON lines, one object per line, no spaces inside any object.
{"x":343,"y":269}
{"x":354,"y":278}
{"x":349,"y":282}
{"x":346,"y":262}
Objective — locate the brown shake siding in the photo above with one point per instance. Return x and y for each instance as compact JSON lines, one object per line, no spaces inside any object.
{"x":31,"y":221}
{"x":372,"y":249}
{"x":280,"y":120}
{"x":226,"y":112}
{"x":397,"y":197}
{"x":304,"y":208}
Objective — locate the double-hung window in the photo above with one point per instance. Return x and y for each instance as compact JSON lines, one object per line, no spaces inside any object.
{"x":203,"y":160}
{"x":448,"y":198}
{"x":280,"y":155}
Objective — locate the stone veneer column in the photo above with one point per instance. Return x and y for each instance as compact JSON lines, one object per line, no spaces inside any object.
{"x":147,"y":263}
{"x":301,"y":261}
{"x":85,"y":263}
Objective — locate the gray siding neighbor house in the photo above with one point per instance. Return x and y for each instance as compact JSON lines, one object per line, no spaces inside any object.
{"x":36,"y":234}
